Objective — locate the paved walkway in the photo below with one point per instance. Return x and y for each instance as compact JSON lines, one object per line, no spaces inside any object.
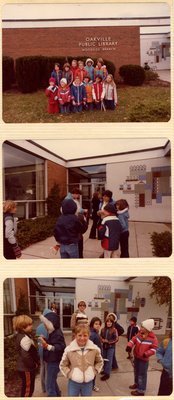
{"x":165,"y":75}
{"x":119,"y":381}
{"x":139,"y":243}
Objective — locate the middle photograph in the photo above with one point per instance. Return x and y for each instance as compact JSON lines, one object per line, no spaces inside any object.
{"x":87,"y":198}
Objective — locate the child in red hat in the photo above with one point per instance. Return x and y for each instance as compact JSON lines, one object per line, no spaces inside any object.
{"x":51,"y":93}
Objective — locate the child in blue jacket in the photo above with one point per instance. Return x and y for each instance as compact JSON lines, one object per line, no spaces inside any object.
{"x":122,"y":208}
{"x":95,"y":325}
{"x":78,"y":95}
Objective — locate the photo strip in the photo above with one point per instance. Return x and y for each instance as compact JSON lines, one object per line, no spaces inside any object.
{"x":114,"y":340}
{"x":80,"y":63}
{"x":87,"y":198}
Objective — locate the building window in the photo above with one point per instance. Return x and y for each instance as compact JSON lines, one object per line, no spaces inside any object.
{"x":24,"y":181}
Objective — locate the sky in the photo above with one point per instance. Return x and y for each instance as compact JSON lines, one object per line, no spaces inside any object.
{"x":79,"y":10}
{"x":79,"y":148}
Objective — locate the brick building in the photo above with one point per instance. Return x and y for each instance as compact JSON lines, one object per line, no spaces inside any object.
{"x":105,"y":31}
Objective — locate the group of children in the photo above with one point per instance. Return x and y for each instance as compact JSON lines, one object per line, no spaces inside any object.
{"x":81,"y":87}
{"x":90,"y":352}
{"x":112,"y":226}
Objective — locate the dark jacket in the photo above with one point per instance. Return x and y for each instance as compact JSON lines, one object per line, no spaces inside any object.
{"x":57,"y":76}
{"x":95,"y":338}
{"x":78,"y":93}
{"x":111,"y":334}
{"x":55,"y":339}
{"x":119,"y":329}
{"x":109,"y":233}
{"x":27,"y":359}
{"x":69,"y":226}
{"x":131,"y":331}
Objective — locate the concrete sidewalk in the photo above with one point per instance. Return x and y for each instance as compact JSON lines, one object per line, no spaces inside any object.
{"x":139,"y":243}
{"x":119,"y":381}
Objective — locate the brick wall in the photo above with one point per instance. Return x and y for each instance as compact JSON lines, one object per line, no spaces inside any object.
{"x":17,"y":42}
{"x":56,"y":174}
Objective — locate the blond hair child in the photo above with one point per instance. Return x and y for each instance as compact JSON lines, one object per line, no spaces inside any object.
{"x":27,"y":355}
{"x":81,"y":362}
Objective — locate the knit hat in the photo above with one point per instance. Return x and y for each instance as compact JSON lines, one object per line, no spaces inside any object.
{"x":110,"y":208}
{"x":89,"y":60}
{"x":148,"y":324}
{"x":63,"y":80}
{"x":52,"y":80}
{"x":112,"y":315}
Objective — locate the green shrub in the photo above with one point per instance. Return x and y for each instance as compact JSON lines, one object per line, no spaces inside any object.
{"x":150,"y":75}
{"x":33,"y":72}
{"x":161,"y":244}
{"x":34,"y":230}
{"x":133,"y":75}
{"x":153,"y":111}
{"x":10,"y":357}
{"x":27,"y":74}
{"x":8,"y":73}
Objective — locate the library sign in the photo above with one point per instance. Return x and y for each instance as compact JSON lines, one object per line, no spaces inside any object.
{"x":98,"y":43}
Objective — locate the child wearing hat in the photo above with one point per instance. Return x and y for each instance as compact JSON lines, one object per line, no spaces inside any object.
{"x":145,"y":344}
{"x":109,"y":232}
{"x":51,"y":93}
{"x":89,"y":68}
{"x":64,"y":96}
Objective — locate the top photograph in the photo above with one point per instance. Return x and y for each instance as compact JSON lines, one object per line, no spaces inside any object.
{"x":65,"y":63}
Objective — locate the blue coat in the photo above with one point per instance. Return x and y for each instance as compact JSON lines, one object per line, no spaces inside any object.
{"x":164,"y":355}
{"x":78,"y":93}
{"x":95,"y":338}
{"x":123,"y":217}
{"x":109,"y":233}
{"x":57,"y":76}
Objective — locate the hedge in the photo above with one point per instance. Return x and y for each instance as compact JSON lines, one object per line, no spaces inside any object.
{"x":133,"y":75}
{"x":31,"y":231}
{"x":161,"y":244}
{"x":33,"y":72}
{"x":8,"y":72}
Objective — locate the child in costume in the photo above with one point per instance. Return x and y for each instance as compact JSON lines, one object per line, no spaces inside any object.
{"x":80,"y":363}
{"x":51,"y":93}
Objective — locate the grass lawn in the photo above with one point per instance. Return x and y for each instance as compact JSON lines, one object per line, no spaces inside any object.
{"x":136,"y":104}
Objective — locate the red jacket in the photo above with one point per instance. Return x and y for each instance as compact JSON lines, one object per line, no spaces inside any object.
{"x":98,"y":91}
{"x":144,"y":347}
{"x":81,"y":73}
{"x":51,"y":93}
{"x":64,"y":95}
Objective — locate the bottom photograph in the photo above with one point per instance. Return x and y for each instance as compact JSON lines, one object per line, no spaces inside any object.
{"x":83,"y":336}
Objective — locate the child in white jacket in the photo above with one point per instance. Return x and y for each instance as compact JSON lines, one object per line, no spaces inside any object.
{"x":80,"y":363}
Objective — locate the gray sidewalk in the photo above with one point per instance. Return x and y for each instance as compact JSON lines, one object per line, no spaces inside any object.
{"x":139,"y":243}
{"x":119,"y":381}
